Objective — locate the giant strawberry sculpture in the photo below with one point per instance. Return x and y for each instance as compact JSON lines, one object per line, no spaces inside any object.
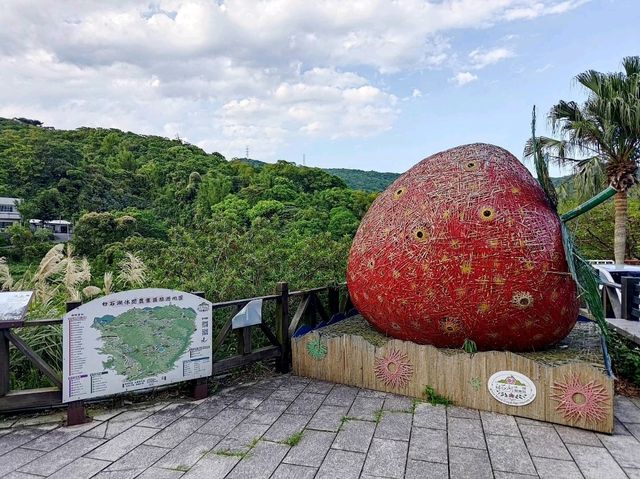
{"x":464,"y":246}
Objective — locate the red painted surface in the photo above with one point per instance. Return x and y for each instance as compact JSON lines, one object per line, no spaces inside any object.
{"x":464,"y":245}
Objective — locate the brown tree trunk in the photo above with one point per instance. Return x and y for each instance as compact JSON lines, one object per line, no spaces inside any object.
{"x":620,"y":227}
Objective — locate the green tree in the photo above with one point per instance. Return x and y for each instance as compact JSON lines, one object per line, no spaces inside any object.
{"x":604,"y":132}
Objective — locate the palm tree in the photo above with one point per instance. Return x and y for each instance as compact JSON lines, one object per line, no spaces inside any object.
{"x":601,"y":138}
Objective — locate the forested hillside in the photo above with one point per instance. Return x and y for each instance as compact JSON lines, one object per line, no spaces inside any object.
{"x":355,"y":179}
{"x":364,"y":180}
{"x":199,"y":222}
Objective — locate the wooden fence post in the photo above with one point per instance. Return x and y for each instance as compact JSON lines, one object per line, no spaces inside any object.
{"x":630,"y":298}
{"x":200,"y":386}
{"x":282,"y":327}
{"x":5,"y":378}
{"x":76,"y":413}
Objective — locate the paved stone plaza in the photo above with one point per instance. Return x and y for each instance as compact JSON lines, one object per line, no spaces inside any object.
{"x":253,"y":431}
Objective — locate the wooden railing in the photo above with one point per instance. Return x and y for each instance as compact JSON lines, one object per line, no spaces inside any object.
{"x":276,"y":337}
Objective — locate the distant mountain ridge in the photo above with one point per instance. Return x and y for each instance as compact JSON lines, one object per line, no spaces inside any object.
{"x":370,"y":180}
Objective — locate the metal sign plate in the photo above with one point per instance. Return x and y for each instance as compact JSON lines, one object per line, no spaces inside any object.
{"x":250,"y":315}
{"x":13,"y":308}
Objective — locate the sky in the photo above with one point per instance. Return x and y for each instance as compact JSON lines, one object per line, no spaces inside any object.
{"x":367,"y":84}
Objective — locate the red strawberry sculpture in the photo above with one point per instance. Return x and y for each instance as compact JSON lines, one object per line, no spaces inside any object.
{"x":464,"y":246}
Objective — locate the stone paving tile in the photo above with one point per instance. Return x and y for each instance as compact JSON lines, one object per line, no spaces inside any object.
{"x":544,"y":442}
{"x":355,"y":436}
{"x":261,"y":462}
{"x":52,"y":418}
{"x":21,"y":475}
{"x":291,"y":471}
{"x":328,"y":418}
{"x":7,"y":423}
{"x":117,"y":447}
{"x":509,"y":454}
{"x":18,"y":437}
{"x":246,"y":432}
{"x":212,"y":466}
{"x":633,"y":473}
{"x":311,"y":449}
{"x":137,"y":461}
{"x":268,"y":412}
{"x":619,"y":429}
{"x":428,"y":445}
{"x":341,"y":395}
{"x":176,"y":432}
{"x":467,"y":463}
{"x":365,"y":408}
{"x":421,"y":470}
{"x":625,"y":449}
{"x":625,"y":410}
{"x":500,"y":424}
{"x":386,"y":458}
{"x":208,"y":408}
{"x":63,"y":455}
{"x":224,"y":422}
{"x":463,"y":412}
{"x":117,"y":424}
{"x":57,"y":437}
{"x":248,"y":402}
{"x":341,"y":465}
{"x":17,"y":458}
{"x":396,"y":403}
{"x":555,"y":468}
{"x":466,"y":433}
{"x":370,"y":393}
{"x":427,"y":415}
{"x":595,"y":462}
{"x":81,"y":468}
{"x":512,"y":475}
{"x":285,"y":426}
{"x":166,"y":415}
{"x":306,"y":403}
{"x":189,"y":451}
{"x":634,"y":429}
{"x":573,"y":435}
{"x":394,"y":425}
{"x":319,"y":387}
{"x":158,"y":473}
{"x":524,"y":421}
{"x":287,"y":393}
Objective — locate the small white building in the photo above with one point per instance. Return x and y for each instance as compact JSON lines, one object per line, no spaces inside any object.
{"x":62,"y":230}
{"x":9,"y":214}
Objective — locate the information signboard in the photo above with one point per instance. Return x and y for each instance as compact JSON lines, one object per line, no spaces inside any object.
{"x":135,"y":340}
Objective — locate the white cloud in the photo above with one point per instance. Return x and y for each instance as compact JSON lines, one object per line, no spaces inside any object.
{"x":462,"y":78}
{"x":228,"y":73}
{"x":416,"y":93}
{"x":482,"y":58}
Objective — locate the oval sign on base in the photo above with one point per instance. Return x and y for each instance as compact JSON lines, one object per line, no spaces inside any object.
{"x":512,"y":388}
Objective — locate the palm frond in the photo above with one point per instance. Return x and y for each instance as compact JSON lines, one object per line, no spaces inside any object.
{"x":541,"y":164}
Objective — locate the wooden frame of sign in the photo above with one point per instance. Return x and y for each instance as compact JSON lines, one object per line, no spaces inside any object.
{"x":576,"y":394}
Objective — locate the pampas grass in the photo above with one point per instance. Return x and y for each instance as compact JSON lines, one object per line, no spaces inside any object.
{"x":133,"y":272}
{"x":6,"y":280}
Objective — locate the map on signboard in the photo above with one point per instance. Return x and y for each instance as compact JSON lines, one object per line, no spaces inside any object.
{"x":134,"y":340}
